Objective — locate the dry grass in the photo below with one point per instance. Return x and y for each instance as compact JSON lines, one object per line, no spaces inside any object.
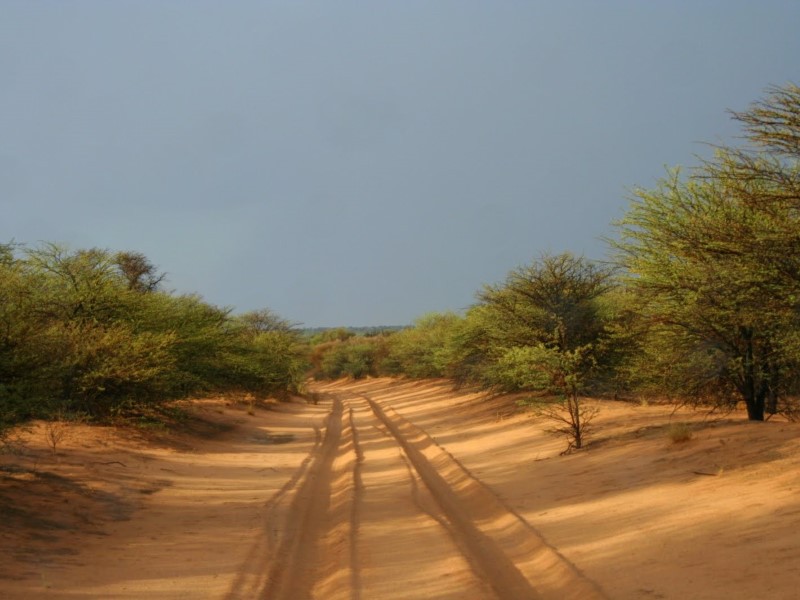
{"x":56,"y":432}
{"x":680,"y":432}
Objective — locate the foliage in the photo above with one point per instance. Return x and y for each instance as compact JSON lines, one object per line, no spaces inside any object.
{"x":565,"y":374}
{"x":552,"y":301}
{"x":544,"y":369}
{"x":89,"y":331}
{"x":329,"y":335}
{"x":139,"y":273}
{"x":423,"y":350}
{"x":709,"y":269}
{"x":355,"y":357}
{"x":551,"y":308}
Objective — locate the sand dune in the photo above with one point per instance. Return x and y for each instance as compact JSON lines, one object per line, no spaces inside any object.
{"x":395,"y":489}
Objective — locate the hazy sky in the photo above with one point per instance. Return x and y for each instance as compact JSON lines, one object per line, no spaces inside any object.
{"x":361,"y":163}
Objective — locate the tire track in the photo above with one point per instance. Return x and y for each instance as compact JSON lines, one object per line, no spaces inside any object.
{"x":252,"y":576}
{"x":291,"y":575}
{"x":405,"y":545}
{"x":422,"y":500}
{"x":508,"y":554}
{"x":378,"y":509}
{"x":355,"y":515}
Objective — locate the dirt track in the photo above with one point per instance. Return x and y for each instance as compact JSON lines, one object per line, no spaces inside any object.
{"x":382,"y":506}
{"x":395,"y":489}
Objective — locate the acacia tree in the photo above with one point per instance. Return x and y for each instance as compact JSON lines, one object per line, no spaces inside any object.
{"x":764,"y":178}
{"x":549,"y":330}
{"x":715,"y":262}
{"x":774,"y":123}
{"x":705,"y":298}
{"x":553,"y":301}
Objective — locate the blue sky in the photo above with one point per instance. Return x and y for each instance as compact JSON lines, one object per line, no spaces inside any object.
{"x":362,"y":163}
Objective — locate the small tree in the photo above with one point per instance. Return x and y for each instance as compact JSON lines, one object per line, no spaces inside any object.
{"x":545,"y":329}
{"x":563,"y":373}
{"x":56,"y":430}
{"x":553,"y":304}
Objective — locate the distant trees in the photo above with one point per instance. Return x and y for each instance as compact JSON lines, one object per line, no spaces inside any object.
{"x":420,"y":351}
{"x":355,"y":356}
{"x":423,"y":350}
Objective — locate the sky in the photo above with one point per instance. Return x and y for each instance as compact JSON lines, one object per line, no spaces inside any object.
{"x":362,"y":163}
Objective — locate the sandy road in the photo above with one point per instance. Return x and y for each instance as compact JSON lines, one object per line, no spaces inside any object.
{"x":359,"y":498}
{"x":379,"y":510}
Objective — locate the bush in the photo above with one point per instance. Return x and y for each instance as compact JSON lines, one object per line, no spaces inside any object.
{"x":90,"y":331}
{"x":424,"y":350}
{"x":355,"y":357}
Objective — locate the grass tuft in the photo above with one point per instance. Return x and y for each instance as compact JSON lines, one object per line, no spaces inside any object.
{"x":680,"y":432}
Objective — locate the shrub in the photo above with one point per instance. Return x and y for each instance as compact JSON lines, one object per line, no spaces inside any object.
{"x":679,"y":432}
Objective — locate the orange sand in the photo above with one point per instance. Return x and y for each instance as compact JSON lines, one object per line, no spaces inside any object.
{"x":396,"y":489}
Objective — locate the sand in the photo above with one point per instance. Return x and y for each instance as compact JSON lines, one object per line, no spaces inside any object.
{"x":392,"y":489}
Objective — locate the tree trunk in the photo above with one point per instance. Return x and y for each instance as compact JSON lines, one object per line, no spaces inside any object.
{"x":755,"y":408}
{"x":752,"y":393}
{"x":576,"y":407}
